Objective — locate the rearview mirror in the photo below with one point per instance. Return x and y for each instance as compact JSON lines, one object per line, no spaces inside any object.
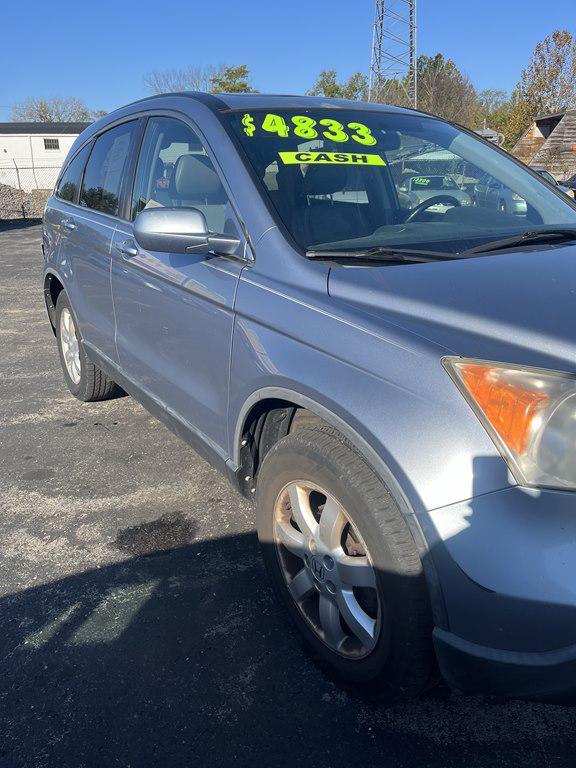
{"x":180,"y":230}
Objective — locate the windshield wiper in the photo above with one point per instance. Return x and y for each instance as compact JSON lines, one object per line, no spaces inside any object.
{"x":412,"y":256}
{"x":517,"y":241}
{"x":384,"y":254}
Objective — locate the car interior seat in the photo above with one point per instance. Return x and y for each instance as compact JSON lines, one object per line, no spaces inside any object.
{"x":195,"y":184}
{"x":318,"y":218}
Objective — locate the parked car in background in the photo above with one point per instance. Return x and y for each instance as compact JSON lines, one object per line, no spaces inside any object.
{"x":552,"y":180}
{"x":419,"y":188}
{"x":490,"y":192}
{"x":393,"y":382}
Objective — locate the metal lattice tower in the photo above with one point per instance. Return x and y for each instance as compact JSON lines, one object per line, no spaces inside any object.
{"x":393,"y":75}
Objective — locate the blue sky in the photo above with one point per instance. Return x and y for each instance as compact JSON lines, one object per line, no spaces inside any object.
{"x":99,"y":51}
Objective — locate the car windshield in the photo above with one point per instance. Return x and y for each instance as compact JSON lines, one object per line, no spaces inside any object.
{"x":361,"y":179}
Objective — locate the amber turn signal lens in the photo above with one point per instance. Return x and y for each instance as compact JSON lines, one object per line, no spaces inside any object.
{"x":530,"y":414}
{"x":509,"y":408}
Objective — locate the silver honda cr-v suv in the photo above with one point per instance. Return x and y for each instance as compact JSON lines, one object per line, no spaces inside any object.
{"x":394,"y":380}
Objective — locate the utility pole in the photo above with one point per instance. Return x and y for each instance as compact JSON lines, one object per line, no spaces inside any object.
{"x":393,"y":71}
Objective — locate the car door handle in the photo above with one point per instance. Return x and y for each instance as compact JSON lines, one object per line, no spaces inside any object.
{"x":127,"y":249}
{"x":68,"y":224}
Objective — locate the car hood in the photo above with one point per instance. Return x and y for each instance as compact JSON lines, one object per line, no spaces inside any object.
{"x":514,"y":307}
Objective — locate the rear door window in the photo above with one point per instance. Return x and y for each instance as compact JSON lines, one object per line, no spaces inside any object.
{"x":69,"y":184}
{"x":106,"y":168}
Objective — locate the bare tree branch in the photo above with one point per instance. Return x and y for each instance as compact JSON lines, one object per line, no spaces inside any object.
{"x":55,"y":110}
{"x":176,"y":80}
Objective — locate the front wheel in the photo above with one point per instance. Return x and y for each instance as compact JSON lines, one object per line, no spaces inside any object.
{"x":342,"y":559}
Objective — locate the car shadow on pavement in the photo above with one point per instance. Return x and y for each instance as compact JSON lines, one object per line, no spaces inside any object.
{"x":179,"y":656}
{"x":7,"y":225}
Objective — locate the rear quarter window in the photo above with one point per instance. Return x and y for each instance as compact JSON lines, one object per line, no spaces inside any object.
{"x":69,"y":184}
{"x":105,"y":169}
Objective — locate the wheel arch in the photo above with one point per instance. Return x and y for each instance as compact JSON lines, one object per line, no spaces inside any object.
{"x":53,"y":287}
{"x":281,"y":397}
{"x":283,"y":400}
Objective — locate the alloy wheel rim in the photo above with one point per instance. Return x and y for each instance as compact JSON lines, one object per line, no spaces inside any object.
{"x":70,"y":346}
{"x":327,"y":569}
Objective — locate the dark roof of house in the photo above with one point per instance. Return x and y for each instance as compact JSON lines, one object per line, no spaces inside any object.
{"x":555,"y":115}
{"x":44,"y":128}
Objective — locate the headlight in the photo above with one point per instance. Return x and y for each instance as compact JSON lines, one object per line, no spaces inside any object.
{"x":529,"y":413}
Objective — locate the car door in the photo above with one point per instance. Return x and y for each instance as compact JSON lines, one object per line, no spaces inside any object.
{"x":88,"y":241}
{"x":174,"y":312}
{"x":58,"y":217}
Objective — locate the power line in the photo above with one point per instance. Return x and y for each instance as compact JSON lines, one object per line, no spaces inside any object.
{"x":393,"y":69}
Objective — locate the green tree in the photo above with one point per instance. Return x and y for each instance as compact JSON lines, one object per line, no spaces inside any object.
{"x":494,"y":110}
{"x":491,"y":100}
{"x":55,"y":110}
{"x":232,"y":79}
{"x":549,"y":81}
{"x":445,"y":91}
{"x":522,"y":112}
{"x":442,"y":90}
{"x":547,"y":85}
{"x":355,"y":88}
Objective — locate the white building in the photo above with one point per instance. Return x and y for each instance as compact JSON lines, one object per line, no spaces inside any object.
{"x":37,"y":143}
{"x":31,"y":154}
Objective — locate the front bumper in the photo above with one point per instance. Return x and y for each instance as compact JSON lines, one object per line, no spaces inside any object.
{"x":470,"y":668}
{"x":506,"y":562}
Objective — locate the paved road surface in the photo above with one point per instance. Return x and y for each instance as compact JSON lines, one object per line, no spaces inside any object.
{"x":136,"y":624}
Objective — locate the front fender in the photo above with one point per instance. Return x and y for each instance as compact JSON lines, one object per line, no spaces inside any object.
{"x":384,"y":386}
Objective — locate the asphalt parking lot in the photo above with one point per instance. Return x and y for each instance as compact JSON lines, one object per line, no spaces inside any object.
{"x":136,"y":623}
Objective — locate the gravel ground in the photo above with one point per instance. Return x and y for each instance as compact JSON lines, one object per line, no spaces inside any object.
{"x":13,"y":203}
{"x":138,"y":628}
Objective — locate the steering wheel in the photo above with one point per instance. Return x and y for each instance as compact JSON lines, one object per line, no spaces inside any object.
{"x":425,"y":204}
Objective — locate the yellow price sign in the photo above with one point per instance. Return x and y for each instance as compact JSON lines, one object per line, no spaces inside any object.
{"x":330,"y":158}
{"x":307,"y":127}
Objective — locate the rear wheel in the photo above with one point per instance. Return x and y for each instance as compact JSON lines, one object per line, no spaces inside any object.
{"x":342,"y":559}
{"x":84,"y":379}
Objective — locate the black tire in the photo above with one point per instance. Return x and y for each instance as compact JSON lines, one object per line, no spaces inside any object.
{"x":93,"y":384}
{"x":402,"y":663}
